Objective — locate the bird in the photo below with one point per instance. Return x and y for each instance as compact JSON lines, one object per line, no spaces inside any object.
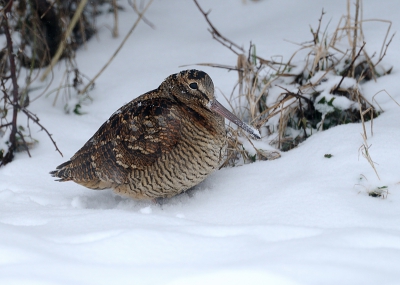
{"x":158,"y":145}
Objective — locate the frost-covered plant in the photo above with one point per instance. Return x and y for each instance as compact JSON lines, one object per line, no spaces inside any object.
{"x":318,"y":88}
{"x":316,"y":93}
{"x":322,"y":90}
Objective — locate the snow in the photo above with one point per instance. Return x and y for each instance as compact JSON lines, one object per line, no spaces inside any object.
{"x":299,"y":219}
{"x":339,"y":102}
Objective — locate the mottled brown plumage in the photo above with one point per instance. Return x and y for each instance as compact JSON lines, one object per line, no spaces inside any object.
{"x":159,"y":144}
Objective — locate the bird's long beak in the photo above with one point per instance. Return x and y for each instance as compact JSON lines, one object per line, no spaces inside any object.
{"x":218,"y":108}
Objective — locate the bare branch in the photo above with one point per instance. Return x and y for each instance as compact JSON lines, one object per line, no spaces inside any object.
{"x":235,"y":48}
{"x":348,"y":69}
{"x":384,"y":52}
{"x":5,"y":125}
{"x":10,"y":153}
{"x":35,"y":119}
{"x":316,"y":34}
{"x":217,"y":35}
{"x":144,"y":19}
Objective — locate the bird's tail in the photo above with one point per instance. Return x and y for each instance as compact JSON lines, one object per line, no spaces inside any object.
{"x":82,"y":173}
{"x":63,"y":172}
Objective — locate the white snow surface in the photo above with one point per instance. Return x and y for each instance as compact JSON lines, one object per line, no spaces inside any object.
{"x":299,"y":219}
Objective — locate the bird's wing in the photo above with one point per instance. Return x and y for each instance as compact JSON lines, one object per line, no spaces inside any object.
{"x":133,"y":138}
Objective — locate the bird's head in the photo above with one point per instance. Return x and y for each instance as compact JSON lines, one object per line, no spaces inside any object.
{"x":192,"y":87}
{"x":195,"y":89}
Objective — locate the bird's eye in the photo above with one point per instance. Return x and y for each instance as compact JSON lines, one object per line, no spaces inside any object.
{"x":193,"y":85}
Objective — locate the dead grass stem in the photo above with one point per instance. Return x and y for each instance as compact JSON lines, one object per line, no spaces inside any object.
{"x":292,"y":115}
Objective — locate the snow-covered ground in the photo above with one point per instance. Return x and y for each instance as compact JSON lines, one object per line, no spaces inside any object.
{"x":300,"y":219}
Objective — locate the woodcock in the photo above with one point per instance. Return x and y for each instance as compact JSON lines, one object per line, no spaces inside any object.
{"x":159,"y":144}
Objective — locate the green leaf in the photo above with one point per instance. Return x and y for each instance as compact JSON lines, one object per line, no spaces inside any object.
{"x":322,"y":101}
{"x":77,"y":109}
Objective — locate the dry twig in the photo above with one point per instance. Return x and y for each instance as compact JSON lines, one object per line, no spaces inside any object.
{"x":217,"y":35}
{"x":60,"y":49}
{"x":118,"y":49}
{"x":13,"y":74}
{"x":115,"y":29}
{"x":349,"y":68}
{"x":353,"y":51}
{"x":14,"y":102}
{"x":137,"y":10}
{"x":384,"y":51}
{"x":35,"y":119}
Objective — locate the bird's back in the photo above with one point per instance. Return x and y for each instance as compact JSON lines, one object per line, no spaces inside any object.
{"x":154,"y":146}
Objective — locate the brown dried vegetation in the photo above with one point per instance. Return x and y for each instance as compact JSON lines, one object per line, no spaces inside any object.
{"x":289,"y":101}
